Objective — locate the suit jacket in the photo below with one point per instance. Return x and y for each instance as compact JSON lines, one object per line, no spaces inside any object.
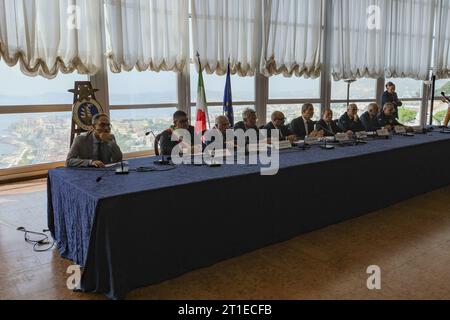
{"x":167,"y":144}
{"x":346,"y":124}
{"x":384,"y":120}
{"x":284,"y":131}
{"x":83,"y":152}
{"x":330,"y":129}
{"x":370,"y":124}
{"x":393,"y":98}
{"x":298,"y":127}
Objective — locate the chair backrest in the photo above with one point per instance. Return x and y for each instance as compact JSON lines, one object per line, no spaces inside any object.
{"x":156,"y":144}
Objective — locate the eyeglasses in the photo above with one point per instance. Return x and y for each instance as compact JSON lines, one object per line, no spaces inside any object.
{"x":104,"y":125}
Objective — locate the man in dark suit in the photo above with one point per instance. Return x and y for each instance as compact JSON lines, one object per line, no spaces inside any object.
{"x":390,"y":96}
{"x":369,"y":119}
{"x":222,"y":125}
{"x":327,"y":124}
{"x":180,"y":121}
{"x":96,"y":148}
{"x":303,"y":126}
{"x":350,"y":120}
{"x":250,"y":118}
{"x":277,"y":123}
{"x":387,"y":118}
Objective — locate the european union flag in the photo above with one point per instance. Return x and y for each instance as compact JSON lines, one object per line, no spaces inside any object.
{"x":228,"y":99}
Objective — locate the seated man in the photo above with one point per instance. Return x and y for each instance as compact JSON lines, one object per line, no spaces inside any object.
{"x":303,"y":126}
{"x":222,"y":125}
{"x":96,"y":148}
{"x":387,"y":118}
{"x":278,"y":120}
{"x":180,"y":121}
{"x":327,"y":125}
{"x":369,"y":119}
{"x":350,"y":120}
{"x":250,"y":118}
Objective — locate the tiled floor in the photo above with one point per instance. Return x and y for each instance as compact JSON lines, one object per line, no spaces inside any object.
{"x":409,"y":241}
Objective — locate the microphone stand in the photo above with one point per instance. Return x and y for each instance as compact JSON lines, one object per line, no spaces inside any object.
{"x":122,"y":170}
{"x":162,"y":161}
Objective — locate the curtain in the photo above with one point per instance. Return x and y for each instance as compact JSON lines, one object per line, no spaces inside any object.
{"x":49,"y":36}
{"x":358,"y":40}
{"x":147,"y":34}
{"x":292,"y":38}
{"x":442,"y":41}
{"x":226,"y":30}
{"x":411,"y":37}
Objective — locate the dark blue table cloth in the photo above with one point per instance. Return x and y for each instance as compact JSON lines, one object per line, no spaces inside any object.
{"x":143,"y":228}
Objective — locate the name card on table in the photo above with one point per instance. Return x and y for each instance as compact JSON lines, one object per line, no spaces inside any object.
{"x":400,"y":130}
{"x":342,"y":137}
{"x":383,"y":133}
{"x":312,"y":140}
{"x":361,"y":135}
{"x":282,"y":145}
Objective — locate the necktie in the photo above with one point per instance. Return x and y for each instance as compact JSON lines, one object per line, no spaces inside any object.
{"x":331,"y":128}
{"x":306,"y":127}
{"x":101,"y":153}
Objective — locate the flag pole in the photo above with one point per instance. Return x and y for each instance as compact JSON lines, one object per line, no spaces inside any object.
{"x":200,"y":70}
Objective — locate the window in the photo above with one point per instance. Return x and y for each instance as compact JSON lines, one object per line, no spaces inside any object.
{"x":409,"y":113}
{"x":140,"y":88}
{"x":340,"y":108}
{"x":281,"y":87}
{"x":408,"y":88}
{"x":361,"y":89}
{"x":130,"y":126}
{"x":291,"y":111}
{"x":18,"y":89}
{"x":215,"y":111}
{"x":243,"y":88}
{"x":33,"y":138}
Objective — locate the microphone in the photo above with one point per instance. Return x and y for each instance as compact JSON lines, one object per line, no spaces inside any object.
{"x":162,"y":161}
{"x":100,"y":178}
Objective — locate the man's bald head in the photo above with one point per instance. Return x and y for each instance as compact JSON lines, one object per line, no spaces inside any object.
{"x":222,"y":123}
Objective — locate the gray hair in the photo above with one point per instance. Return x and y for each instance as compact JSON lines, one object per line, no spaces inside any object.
{"x":373,"y":105}
{"x":388,"y":105}
{"x":219,"y":118}
{"x":247,"y":113}
{"x":306,"y":107}
{"x":97,"y":117}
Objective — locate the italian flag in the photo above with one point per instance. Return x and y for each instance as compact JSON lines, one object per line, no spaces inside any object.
{"x":202,"y":108}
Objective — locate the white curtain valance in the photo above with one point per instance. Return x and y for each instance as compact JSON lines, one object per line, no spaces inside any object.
{"x":382,"y":38}
{"x":357,"y":46}
{"x":292,"y":38}
{"x":226,"y":30}
{"x":442,"y":44}
{"x":51,"y":36}
{"x":411,"y":26}
{"x":147,"y":34}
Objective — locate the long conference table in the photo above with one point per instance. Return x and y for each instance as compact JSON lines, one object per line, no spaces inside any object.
{"x":140,"y":229}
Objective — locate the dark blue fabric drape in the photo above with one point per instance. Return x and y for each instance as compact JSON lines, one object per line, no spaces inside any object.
{"x":144,"y":228}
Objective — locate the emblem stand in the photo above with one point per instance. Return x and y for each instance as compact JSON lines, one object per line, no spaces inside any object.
{"x":84,"y":108}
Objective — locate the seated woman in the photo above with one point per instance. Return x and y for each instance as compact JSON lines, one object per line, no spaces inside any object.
{"x":180,"y":121}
